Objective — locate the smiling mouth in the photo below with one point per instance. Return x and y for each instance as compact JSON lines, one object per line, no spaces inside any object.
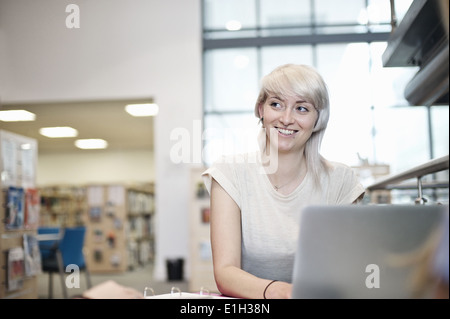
{"x":286,"y":132}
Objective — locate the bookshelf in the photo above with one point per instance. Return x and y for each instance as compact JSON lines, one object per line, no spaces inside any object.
{"x":63,"y":206}
{"x":119,"y":226}
{"x":140,"y":225}
{"x":19,"y":213}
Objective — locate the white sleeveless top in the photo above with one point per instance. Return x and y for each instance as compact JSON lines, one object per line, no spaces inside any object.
{"x":270,"y":220}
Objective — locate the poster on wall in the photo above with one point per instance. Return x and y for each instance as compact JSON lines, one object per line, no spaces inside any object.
{"x":8,"y":160}
{"x":18,"y":160}
{"x":28,"y":159}
{"x":95,"y":196}
{"x":116,"y":195}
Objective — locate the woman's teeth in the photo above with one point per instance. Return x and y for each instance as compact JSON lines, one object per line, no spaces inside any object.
{"x":285,"y":132}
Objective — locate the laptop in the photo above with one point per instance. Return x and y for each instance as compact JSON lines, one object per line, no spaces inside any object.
{"x":361,"y":251}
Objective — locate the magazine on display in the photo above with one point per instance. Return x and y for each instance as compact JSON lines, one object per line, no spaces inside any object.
{"x":32,"y":255}
{"x":15,"y":268}
{"x":32,"y":207}
{"x":15,"y":208}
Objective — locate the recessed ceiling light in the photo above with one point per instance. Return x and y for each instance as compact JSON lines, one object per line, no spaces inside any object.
{"x":16,"y":116}
{"x":233,"y":25}
{"x":58,"y":131}
{"x":91,"y":143}
{"x":146,"y":109}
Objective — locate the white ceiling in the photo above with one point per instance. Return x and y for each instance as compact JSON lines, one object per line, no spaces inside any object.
{"x":93,"y":119}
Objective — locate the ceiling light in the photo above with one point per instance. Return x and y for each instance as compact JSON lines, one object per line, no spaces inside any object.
{"x":16,"y":116}
{"x":58,"y":131}
{"x":233,"y":25}
{"x":146,"y":109}
{"x":91,"y":143}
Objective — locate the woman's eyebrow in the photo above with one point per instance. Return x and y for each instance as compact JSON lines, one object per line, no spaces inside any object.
{"x":302,"y":100}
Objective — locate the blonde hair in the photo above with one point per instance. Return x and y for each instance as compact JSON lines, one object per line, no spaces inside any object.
{"x":305,"y":81}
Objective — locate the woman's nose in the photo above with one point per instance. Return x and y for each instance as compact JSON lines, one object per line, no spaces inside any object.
{"x":286,"y":117}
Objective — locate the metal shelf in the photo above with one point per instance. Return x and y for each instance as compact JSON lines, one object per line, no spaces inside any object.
{"x":419,"y":36}
{"x":421,"y":40}
{"x":433,"y":166}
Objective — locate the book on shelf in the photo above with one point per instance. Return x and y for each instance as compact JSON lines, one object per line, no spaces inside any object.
{"x":15,"y":268}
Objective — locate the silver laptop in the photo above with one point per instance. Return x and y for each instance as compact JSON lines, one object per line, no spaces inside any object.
{"x":361,"y":251}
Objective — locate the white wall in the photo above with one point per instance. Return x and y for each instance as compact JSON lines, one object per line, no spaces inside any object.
{"x":3,"y":64}
{"x":123,"y":49}
{"x":131,"y":167}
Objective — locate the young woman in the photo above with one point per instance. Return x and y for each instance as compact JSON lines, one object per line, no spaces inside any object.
{"x":256,"y":198}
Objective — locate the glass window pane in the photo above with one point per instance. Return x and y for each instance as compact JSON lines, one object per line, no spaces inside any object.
{"x":387,"y":84}
{"x":440,"y":132}
{"x":368,"y":99}
{"x":401,"y":7}
{"x":345,"y":69}
{"x":231,"y":79}
{"x":285,"y":12}
{"x":231,"y":13}
{"x":439,"y":120}
{"x":379,"y":16}
{"x":393,"y":117}
{"x":378,"y":11}
{"x":402,"y":137}
{"x":271,"y":57}
{"x":227,"y":134}
{"x":339,"y":12}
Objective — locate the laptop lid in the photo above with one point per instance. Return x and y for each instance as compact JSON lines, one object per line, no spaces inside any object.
{"x":361,"y":251}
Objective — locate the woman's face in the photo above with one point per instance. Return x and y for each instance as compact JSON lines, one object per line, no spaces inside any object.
{"x":291,"y":119}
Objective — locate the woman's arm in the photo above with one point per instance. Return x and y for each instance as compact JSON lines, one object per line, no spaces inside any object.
{"x":231,"y":280}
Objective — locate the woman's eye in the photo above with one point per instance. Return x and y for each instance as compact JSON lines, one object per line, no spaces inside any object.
{"x":302,"y":108}
{"x":275,"y":104}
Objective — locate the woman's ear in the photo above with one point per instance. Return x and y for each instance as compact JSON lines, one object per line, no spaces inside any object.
{"x":261,"y":110}
{"x":316,"y":128}
{"x":261,"y":114}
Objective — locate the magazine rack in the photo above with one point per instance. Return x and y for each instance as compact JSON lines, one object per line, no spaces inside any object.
{"x":19,"y":215}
